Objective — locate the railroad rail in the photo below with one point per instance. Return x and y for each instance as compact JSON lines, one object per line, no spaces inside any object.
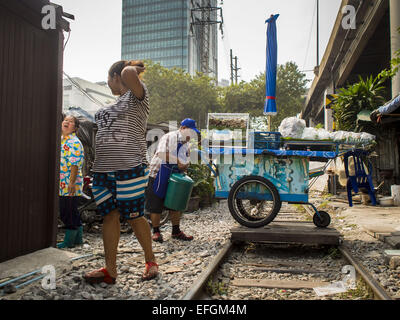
{"x":198,"y":289}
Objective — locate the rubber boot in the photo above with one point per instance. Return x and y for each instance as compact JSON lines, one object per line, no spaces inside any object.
{"x":79,"y":234}
{"x":69,"y":239}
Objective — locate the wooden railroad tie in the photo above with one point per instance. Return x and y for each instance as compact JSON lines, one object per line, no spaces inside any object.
{"x":281,"y":284}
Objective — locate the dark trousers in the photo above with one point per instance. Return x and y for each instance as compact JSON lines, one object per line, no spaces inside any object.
{"x":69,"y":213}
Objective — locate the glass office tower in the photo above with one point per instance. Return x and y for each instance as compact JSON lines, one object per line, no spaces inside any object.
{"x":159,"y":30}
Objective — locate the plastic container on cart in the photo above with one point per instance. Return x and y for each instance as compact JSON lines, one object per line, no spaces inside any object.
{"x":179,"y":189}
{"x":228,"y":128}
{"x":266,"y":140}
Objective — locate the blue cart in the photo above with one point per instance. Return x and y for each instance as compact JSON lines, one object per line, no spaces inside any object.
{"x":257,"y":181}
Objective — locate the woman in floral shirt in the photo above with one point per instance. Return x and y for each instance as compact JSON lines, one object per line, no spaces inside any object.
{"x":71,"y":182}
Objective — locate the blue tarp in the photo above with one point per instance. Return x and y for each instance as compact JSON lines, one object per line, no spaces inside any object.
{"x":390,"y":106}
{"x":271,"y":67}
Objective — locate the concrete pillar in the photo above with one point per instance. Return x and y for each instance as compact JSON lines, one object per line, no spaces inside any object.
{"x":328,"y":112}
{"x":395,"y":40}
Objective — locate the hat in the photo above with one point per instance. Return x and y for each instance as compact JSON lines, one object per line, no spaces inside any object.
{"x":190,"y":123}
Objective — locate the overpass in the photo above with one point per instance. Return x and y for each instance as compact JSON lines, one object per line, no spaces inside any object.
{"x":364,"y":50}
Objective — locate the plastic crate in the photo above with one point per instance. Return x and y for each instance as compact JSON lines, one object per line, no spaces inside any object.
{"x":266,"y":140}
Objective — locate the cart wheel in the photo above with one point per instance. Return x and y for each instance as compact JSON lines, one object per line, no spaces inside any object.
{"x":254,"y":201}
{"x":323,"y":221}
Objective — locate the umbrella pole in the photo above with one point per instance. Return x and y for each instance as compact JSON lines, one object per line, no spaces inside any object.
{"x":269,"y":123}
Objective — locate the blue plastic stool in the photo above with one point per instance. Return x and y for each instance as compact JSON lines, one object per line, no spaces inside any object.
{"x":361,"y":179}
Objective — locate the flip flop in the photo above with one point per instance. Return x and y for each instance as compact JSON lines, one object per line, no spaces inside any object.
{"x":157,"y":237}
{"x":105,"y":278}
{"x":148,"y":276}
{"x":182,"y":236}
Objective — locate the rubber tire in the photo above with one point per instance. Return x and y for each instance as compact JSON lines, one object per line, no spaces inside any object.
{"x":238,"y":216}
{"x":326,"y":219}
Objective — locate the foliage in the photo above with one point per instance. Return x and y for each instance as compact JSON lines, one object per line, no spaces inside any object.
{"x":334,"y":253}
{"x":363,"y":95}
{"x":362,"y":291}
{"x":250,"y":97}
{"x":216,"y":288}
{"x":176,"y":95}
{"x":203,"y":182}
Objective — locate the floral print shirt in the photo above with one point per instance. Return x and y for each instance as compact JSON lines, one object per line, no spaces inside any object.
{"x":71,"y":155}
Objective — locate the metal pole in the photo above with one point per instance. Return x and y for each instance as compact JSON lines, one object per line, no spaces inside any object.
{"x":236,"y":70}
{"x":231,"y":68}
{"x":269,"y":123}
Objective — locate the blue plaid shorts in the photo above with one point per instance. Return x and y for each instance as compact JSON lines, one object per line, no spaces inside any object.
{"x":123,"y":189}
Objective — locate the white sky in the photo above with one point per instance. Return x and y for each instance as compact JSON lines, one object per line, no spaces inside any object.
{"x":95,"y":40}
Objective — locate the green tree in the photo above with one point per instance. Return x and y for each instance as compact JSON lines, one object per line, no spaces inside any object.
{"x":175,"y":94}
{"x":249,"y":97}
{"x":290,"y":92}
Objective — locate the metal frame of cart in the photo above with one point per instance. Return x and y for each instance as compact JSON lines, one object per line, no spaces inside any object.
{"x":252,"y":178}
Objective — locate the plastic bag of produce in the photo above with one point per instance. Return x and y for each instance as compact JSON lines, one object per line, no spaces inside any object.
{"x":309,"y":134}
{"x":339,"y":136}
{"x":354,"y":137}
{"x":366,"y":137}
{"x":323,"y":134}
{"x":292,"y":128}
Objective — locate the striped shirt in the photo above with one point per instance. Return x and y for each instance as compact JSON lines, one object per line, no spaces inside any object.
{"x":121,"y":136}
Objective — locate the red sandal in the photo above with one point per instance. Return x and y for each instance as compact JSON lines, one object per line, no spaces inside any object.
{"x":182,"y":236}
{"x":105,"y":278}
{"x":148,"y":276}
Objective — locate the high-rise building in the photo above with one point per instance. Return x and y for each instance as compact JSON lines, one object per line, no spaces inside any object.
{"x":174,"y":33}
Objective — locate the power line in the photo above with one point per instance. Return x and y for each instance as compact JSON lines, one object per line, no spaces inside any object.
{"x":69,"y":34}
{"x":76,"y":85}
{"x":309,"y":39}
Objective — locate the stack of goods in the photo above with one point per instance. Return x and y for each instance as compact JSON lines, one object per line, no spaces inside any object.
{"x":294,"y":128}
{"x":228,"y":127}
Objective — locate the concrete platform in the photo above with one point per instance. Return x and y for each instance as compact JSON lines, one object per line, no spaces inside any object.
{"x":302,"y":232}
{"x":34,"y":261}
{"x":382,"y":223}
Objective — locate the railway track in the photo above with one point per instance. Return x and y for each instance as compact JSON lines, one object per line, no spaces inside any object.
{"x":251,"y":271}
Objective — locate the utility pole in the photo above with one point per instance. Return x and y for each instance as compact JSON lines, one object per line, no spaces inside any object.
{"x":231,"y":67}
{"x":202,"y":17}
{"x":234,"y":69}
{"x":316,"y":69}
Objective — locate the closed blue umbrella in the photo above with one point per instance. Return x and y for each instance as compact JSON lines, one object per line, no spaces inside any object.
{"x":271,"y":67}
